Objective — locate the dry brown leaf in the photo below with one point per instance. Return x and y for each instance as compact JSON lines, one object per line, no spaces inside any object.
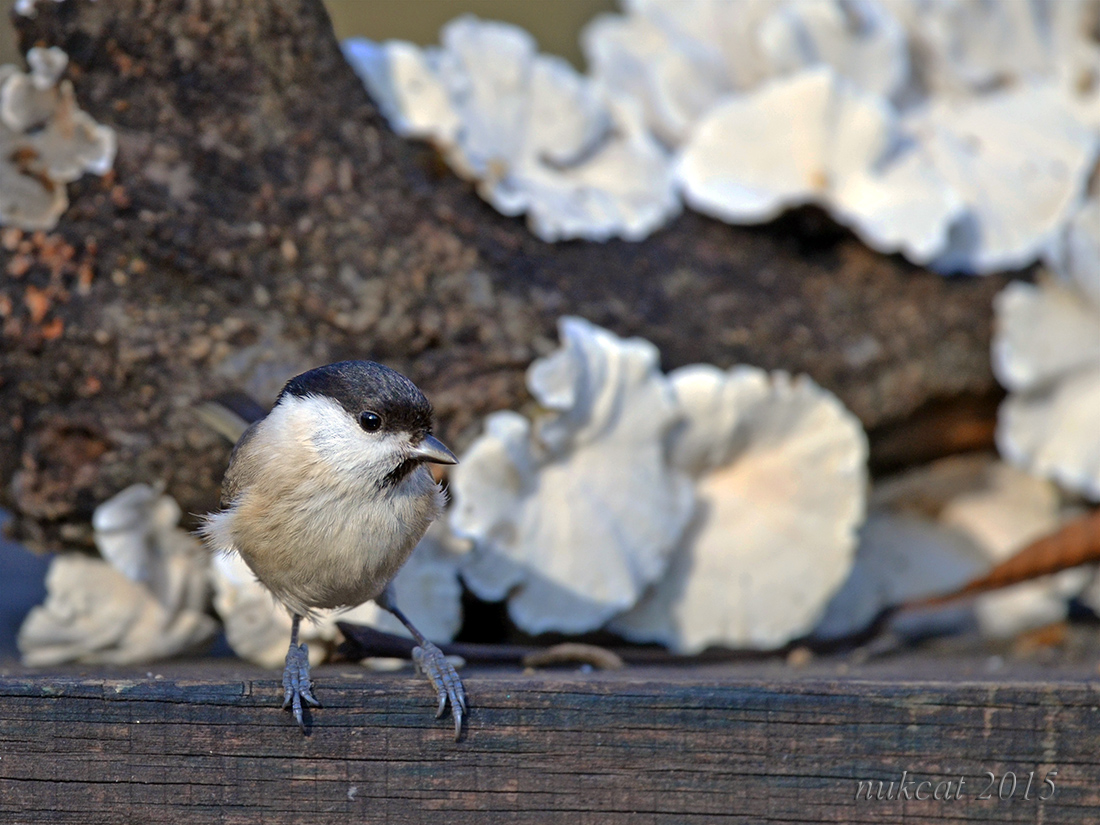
{"x":1074,"y":544}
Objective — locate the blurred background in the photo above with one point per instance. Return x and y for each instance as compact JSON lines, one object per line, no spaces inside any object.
{"x":964,"y":135}
{"x":420,"y":21}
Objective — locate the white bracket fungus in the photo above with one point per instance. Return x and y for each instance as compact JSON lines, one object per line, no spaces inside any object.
{"x":405,"y":83}
{"x":1046,"y":352}
{"x":814,"y":138}
{"x":676,"y":58}
{"x":147,"y":601}
{"x":95,"y":614}
{"x":426,"y":587}
{"x":966,"y":47}
{"x":780,"y":470}
{"x":932,"y":529}
{"x":901,"y":557}
{"x":573,"y":515}
{"x":859,"y":40}
{"x":533,"y":133}
{"x":136,"y":529}
{"x":1010,"y":510}
{"x":672,"y":78}
{"x":740,"y":88}
{"x":46,"y":141}
{"x":1020,"y":159}
{"x":771,"y":104}
{"x":1075,"y":254}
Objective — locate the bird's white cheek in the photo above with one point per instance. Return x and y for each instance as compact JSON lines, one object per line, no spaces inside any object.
{"x":354,"y":455}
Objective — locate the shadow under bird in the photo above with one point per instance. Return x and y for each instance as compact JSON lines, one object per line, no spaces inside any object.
{"x":325,"y":498}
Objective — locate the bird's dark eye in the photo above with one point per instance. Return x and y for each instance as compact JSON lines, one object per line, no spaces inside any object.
{"x":370,"y":421}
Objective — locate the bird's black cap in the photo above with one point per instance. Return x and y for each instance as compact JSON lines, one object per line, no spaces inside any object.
{"x":358,"y":386}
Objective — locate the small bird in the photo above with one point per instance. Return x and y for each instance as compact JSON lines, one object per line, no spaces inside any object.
{"x":326,"y":497}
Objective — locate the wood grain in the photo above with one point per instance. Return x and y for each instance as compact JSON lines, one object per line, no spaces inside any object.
{"x":607,"y":748}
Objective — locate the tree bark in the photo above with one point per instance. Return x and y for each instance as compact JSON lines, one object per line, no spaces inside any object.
{"x":262,"y":219}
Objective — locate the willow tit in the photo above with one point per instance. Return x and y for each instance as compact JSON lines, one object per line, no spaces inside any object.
{"x":326,"y":497}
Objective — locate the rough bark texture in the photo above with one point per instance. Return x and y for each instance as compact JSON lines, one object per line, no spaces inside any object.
{"x":262,"y":219}
{"x":633,"y":747}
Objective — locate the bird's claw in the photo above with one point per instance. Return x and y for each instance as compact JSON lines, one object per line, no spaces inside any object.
{"x":444,"y":678}
{"x":296,"y":682}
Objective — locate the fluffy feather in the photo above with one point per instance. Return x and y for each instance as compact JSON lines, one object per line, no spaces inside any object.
{"x":313,"y":509}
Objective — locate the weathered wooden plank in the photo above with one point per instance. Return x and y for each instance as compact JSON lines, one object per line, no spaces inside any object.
{"x":549,"y":748}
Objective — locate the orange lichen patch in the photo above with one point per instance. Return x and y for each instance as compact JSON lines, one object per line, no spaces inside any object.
{"x":53,"y":330}
{"x":90,"y":386}
{"x":10,"y":237}
{"x":124,"y":62}
{"x":119,"y":197}
{"x":54,"y":267}
{"x":18,"y":265}
{"x":55,"y":253}
{"x":38,"y":302}
{"x":127,"y":65}
{"x":59,"y":464}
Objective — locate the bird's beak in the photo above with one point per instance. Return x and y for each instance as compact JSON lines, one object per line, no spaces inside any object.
{"x":433,"y":450}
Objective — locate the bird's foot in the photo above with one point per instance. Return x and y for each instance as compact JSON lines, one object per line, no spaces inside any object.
{"x":444,"y":678}
{"x":296,"y":682}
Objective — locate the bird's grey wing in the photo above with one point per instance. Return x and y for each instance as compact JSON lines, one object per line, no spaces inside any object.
{"x":243,"y":468}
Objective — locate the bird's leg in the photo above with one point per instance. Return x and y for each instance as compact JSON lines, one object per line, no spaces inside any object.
{"x":296,"y":681}
{"x":433,"y":664}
